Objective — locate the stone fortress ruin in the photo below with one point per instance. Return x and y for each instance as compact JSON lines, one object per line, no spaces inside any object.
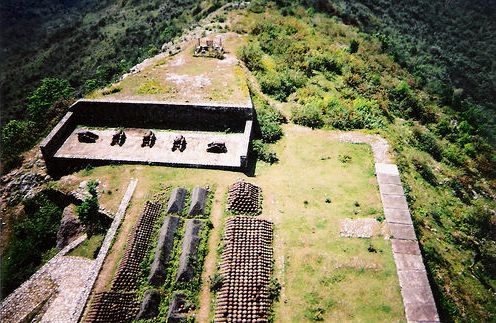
{"x":183,"y":135}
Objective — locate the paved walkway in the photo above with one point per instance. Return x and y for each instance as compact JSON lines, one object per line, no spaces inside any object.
{"x":415,"y":289}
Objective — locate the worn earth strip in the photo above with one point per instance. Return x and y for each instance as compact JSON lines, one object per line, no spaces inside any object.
{"x":415,"y":289}
{"x":211,"y":259}
{"x":109,"y":237}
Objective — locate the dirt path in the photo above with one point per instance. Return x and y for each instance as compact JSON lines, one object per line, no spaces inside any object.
{"x":117,"y":250}
{"x":211,"y":258}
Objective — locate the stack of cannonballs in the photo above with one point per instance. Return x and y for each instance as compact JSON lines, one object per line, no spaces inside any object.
{"x":129,"y":268}
{"x":113,"y":307}
{"x":244,"y":198}
{"x":120,"y":305}
{"x":246,"y":266}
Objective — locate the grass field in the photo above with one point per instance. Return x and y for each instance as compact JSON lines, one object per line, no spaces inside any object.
{"x":184,"y":78}
{"x":324,"y":276}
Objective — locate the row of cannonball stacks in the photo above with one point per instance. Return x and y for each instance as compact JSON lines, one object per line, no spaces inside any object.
{"x":246,"y":265}
{"x":112,"y":307}
{"x":129,"y":268}
{"x":244,"y":197}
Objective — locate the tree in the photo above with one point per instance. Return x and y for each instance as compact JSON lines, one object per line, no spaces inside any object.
{"x":48,"y":92}
{"x":89,"y":213}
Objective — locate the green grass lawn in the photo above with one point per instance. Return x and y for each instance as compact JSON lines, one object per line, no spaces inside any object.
{"x":324,"y":276}
{"x":88,"y":248}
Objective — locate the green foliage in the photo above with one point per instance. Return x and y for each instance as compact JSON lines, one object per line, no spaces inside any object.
{"x":424,"y":169}
{"x":309,"y":115}
{"x":269,"y":121}
{"x":354,"y":44}
{"x":88,"y":211}
{"x":274,"y":289}
{"x":280,"y":84}
{"x":251,"y":54}
{"x":263,"y":152}
{"x":426,"y":141}
{"x":216,"y":282}
{"x":17,"y":136}
{"x":48,"y":92}
{"x":33,"y":237}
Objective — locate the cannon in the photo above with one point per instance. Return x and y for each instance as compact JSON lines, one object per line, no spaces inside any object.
{"x":149,"y":139}
{"x":217,"y":147}
{"x":118,"y":138}
{"x":179,"y":143}
{"x":87,"y":137}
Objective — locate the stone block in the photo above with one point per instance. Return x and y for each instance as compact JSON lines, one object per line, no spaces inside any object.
{"x":409,"y":247}
{"x":398,"y":216}
{"x":402,"y":231}
{"x":394,"y":202}
{"x":408,"y":262}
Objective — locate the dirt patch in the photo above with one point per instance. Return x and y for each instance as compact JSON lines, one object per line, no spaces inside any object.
{"x":363,"y":228}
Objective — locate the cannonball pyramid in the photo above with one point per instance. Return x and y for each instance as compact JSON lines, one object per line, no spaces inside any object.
{"x":244,"y":198}
{"x":246,"y":265}
{"x":138,"y":242}
{"x":113,"y":307}
{"x":120,"y":303}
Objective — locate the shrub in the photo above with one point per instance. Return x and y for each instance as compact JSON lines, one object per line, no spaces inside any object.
{"x":33,"y":236}
{"x":308,"y":115}
{"x":280,"y":84}
{"x":426,"y":141}
{"x":17,"y":136}
{"x":89,"y":213}
{"x":353,"y":46}
{"x":263,"y":152}
{"x":423,"y":168}
{"x":324,"y":62}
{"x":251,"y":54}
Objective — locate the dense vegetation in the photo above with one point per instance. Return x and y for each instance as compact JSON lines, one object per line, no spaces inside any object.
{"x":331,"y":75}
{"x":32,"y":242}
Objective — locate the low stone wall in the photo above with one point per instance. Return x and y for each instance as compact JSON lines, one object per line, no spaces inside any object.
{"x":58,"y":134}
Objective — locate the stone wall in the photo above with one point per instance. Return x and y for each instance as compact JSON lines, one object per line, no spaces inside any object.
{"x":162,"y":115}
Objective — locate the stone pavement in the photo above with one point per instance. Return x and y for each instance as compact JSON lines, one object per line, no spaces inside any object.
{"x":54,"y":288}
{"x":415,"y":289}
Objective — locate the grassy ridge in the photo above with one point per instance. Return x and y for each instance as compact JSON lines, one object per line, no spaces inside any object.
{"x":331,"y":75}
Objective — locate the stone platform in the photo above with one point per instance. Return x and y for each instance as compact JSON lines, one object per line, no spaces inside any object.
{"x":161,"y":153}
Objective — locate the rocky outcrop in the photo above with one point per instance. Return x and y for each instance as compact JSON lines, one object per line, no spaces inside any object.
{"x":70,"y":227}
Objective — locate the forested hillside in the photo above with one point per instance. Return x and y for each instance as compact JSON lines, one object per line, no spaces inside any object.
{"x":448,"y":46}
{"x":86,"y":42}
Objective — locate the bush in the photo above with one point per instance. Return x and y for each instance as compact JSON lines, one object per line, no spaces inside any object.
{"x":353,"y":46}
{"x":17,"y":135}
{"x":308,"y":115}
{"x":251,"y":54}
{"x":263,"y":152}
{"x":280,"y":84}
{"x":33,"y":236}
{"x":89,"y":213}
{"x":323,"y":62}
{"x":427,"y":142}
{"x":423,"y":168}
{"x":269,"y":121}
